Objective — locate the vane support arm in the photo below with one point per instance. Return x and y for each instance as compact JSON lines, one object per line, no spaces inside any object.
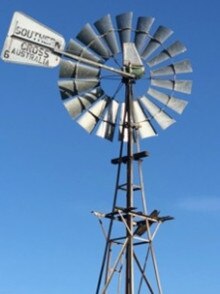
{"x":96,"y":64}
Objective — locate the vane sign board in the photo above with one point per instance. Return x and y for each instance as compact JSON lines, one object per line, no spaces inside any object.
{"x":30,"y":42}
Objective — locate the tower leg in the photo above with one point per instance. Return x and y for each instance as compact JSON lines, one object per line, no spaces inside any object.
{"x":129,"y":253}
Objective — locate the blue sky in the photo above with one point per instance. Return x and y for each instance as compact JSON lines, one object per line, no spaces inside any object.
{"x":52,"y":173}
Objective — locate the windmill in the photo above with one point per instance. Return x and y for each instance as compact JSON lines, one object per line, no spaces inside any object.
{"x":118,"y":78}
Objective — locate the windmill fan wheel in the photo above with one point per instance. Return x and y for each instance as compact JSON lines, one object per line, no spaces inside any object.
{"x":146,"y":51}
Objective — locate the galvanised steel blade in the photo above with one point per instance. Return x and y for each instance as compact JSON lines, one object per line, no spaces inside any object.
{"x":89,"y":38}
{"x":75,"y":48}
{"x":74,"y":106}
{"x":70,"y":88}
{"x":160,"y":36}
{"x":142,"y":31}
{"x":106,"y":29}
{"x":161,"y":117}
{"x":144,"y":127}
{"x":124,"y":24}
{"x":132,"y":60}
{"x":92,"y":116}
{"x":71,"y":69}
{"x":173,"y":50}
{"x":183,"y":86}
{"x":77,"y":104}
{"x":106,"y":127}
{"x":180,"y":67}
{"x":66,"y":88}
{"x":173,"y":103}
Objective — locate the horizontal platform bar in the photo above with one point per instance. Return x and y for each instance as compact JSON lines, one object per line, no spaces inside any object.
{"x":123,"y":187}
{"x":153,"y":217}
{"x":124,"y":159}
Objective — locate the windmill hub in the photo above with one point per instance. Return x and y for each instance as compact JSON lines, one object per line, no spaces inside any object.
{"x":136,"y":70}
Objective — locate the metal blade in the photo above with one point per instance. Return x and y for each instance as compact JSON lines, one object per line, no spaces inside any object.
{"x":172,"y":69}
{"x":106,"y":128}
{"x":77,"y":49}
{"x":124,"y":24}
{"x":70,"y":88}
{"x":173,"y":103}
{"x":69,"y":69}
{"x":142,"y":31}
{"x":131,"y":56}
{"x":66,"y":89}
{"x":105,"y":28}
{"x":161,"y":117}
{"x":92,"y":116}
{"x":88,"y":37}
{"x":76,"y":105}
{"x":171,"y":51}
{"x":160,"y":36}
{"x":183,"y":86}
{"x":145,"y":129}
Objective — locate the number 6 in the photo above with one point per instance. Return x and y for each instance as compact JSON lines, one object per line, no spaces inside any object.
{"x":6,"y":54}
